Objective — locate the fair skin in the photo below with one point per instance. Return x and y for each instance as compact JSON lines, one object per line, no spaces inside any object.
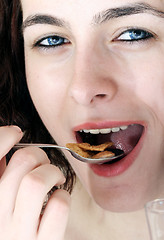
{"x":23,"y":187}
{"x":85,"y":71}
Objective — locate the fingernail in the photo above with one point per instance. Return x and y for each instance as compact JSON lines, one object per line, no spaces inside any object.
{"x":17,"y":128}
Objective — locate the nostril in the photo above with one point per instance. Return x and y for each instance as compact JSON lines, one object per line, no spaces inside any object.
{"x":100,"y":95}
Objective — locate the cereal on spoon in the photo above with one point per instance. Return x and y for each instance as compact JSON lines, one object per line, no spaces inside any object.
{"x":92,"y":151}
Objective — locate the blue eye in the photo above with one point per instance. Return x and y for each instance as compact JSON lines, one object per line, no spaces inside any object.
{"x":54,"y":41}
{"x":135,"y":35}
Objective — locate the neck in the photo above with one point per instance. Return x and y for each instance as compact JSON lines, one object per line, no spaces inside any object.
{"x":91,"y":222}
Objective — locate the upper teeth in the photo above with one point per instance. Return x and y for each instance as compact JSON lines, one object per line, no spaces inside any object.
{"x":104,"y":130}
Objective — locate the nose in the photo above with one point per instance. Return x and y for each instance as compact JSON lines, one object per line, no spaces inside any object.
{"x":92,"y":81}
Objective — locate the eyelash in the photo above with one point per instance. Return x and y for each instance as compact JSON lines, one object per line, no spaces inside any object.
{"x":137,"y":34}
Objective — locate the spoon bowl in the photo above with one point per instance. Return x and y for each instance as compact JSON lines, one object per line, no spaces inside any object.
{"x":119,"y":153}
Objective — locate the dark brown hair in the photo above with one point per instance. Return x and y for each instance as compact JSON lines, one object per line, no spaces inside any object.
{"x":16,"y":106}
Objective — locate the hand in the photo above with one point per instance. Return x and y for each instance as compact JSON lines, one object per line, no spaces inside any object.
{"x":24,"y":184}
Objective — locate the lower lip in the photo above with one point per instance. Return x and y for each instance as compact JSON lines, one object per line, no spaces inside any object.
{"x":115,"y":169}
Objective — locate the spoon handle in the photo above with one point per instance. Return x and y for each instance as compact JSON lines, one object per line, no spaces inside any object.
{"x":41,"y":145}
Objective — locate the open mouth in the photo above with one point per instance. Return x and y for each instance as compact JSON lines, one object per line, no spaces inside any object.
{"x":123,"y":137}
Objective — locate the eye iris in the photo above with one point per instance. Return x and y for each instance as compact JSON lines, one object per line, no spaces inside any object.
{"x":137,"y":34}
{"x":54,"y":40}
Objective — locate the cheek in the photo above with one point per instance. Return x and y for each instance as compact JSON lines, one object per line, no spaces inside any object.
{"x":152,"y":95}
{"x":48,"y":93}
{"x":148,"y":83}
{"x":46,"y":84}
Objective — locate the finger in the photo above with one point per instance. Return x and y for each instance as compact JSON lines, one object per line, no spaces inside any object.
{"x":9,"y":136}
{"x":31,"y":195}
{"x":54,"y":219}
{"x":2,"y":166}
{"x":22,"y":162}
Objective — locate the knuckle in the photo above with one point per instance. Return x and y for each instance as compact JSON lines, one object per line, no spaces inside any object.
{"x":58,"y":172}
{"x":33,"y":181}
{"x":60,"y":200}
{"x":22,"y":156}
{"x":30,"y":156}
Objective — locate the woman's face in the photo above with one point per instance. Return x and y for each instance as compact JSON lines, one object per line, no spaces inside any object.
{"x":100,"y":65}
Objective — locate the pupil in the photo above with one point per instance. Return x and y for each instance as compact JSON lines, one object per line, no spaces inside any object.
{"x":54,"y":40}
{"x":136,"y":34}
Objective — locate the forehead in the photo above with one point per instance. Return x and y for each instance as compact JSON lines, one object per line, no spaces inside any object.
{"x":79,"y":9}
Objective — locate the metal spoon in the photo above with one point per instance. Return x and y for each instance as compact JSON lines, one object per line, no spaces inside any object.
{"x":119,"y":153}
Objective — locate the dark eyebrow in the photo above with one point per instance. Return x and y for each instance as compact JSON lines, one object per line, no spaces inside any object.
{"x":99,"y":18}
{"x":126,"y":10}
{"x":43,"y":19}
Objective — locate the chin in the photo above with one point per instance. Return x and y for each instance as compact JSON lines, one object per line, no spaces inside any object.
{"x":121,"y":205}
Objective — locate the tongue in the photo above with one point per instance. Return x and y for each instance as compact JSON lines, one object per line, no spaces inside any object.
{"x":127,"y":139}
